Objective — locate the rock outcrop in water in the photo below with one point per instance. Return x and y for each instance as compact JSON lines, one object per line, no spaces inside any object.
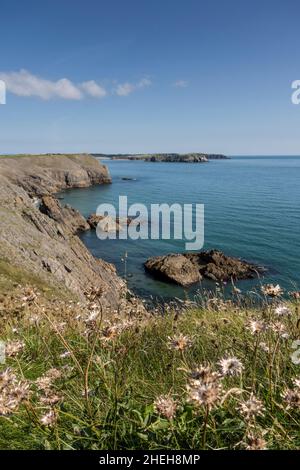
{"x":108,"y":223}
{"x":188,"y":268}
{"x":37,"y":234}
{"x":173,"y":268}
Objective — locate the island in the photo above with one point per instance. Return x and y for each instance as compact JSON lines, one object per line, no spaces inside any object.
{"x":165,"y":157}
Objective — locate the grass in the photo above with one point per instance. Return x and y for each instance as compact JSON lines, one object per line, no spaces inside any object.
{"x":12,"y":276}
{"x":155,"y":382}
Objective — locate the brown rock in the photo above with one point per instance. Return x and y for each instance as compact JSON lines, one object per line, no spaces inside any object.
{"x":217,"y":266}
{"x":66,"y":214}
{"x":105,"y":223}
{"x":174,"y":268}
{"x":93,"y":220}
{"x":108,"y":223}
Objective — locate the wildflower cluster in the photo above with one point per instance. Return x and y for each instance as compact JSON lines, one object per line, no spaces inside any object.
{"x":251,"y":408}
{"x":179,"y":342}
{"x":204,"y":387}
{"x":166,"y":406}
{"x":13,"y":392}
{"x":291,"y":396}
{"x":48,"y":395}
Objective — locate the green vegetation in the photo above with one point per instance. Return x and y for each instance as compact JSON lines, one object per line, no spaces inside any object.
{"x":219,"y":376}
{"x":11,"y":276}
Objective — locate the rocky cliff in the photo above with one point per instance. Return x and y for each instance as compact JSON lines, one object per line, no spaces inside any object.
{"x":47,"y":174}
{"x":38,"y":235}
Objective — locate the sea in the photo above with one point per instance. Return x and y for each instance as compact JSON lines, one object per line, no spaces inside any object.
{"x":251,"y":211}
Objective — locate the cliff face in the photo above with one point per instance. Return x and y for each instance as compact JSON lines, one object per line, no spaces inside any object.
{"x":40,"y":238}
{"x":46,"y":174}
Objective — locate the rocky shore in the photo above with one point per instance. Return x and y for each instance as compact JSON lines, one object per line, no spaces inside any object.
{"x":38,"y":238}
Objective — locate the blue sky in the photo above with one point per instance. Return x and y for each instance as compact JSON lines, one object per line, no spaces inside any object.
{"x":150,"y":76}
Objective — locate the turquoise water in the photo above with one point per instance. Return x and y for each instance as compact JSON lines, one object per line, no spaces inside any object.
{"x":251,"y":211}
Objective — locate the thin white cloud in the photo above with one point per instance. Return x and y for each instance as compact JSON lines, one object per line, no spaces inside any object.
{"x":125,"y":89}
{"x":144,"y":83}
{"x":24,"y":83}
{"x":92,"y":88}
{"x":181,"y":84}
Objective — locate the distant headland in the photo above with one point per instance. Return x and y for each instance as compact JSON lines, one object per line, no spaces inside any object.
{"x":165,"y":157}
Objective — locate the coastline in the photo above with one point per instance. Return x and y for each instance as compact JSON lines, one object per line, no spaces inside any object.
{"x":38,"y":239}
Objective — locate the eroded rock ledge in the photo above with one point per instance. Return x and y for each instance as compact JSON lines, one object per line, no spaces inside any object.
{"x":189,"y":268}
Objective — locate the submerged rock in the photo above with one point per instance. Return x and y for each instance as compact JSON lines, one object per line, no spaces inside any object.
{"x":188,"y":268}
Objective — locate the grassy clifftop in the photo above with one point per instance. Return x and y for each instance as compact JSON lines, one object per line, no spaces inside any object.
{"x":215,"y":376}
{"x":40,"y":174}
